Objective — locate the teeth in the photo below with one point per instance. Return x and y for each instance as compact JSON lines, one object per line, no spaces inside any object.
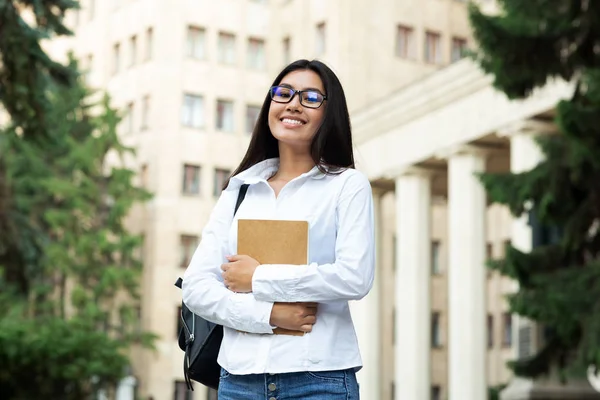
{"x":292,"y":121}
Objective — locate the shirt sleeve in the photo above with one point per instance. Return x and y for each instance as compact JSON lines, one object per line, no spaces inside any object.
{"x":203,"y":290}
{"x":350,"y":277}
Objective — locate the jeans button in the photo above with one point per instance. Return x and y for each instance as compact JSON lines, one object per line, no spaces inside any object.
{"x":272,"y":398}
{"x":272,"y":387}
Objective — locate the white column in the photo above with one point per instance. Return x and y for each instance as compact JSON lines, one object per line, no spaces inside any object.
{"x":365,"y":314}
{"x":413,"y":311}
{"x":466,"y":276}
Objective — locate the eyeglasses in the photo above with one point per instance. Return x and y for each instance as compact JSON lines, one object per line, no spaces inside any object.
{"x":308,"y":98}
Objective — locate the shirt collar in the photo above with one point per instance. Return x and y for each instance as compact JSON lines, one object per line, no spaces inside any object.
{"x":262,"y":171}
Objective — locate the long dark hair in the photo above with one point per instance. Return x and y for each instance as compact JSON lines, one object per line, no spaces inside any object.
{"x":331,"y":147}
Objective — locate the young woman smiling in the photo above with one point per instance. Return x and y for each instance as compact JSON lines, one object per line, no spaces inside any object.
{"x":300,"y":166}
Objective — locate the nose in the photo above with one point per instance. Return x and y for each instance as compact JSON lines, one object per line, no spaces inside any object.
{"x":294,"y":104}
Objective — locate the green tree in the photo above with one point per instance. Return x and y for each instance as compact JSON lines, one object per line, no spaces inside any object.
{"x":25,"y":69}
{"x":69,"y":274}
{"x":524,"y":47}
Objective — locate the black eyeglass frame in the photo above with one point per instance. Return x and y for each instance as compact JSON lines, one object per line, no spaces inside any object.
{"x":299,"y":93}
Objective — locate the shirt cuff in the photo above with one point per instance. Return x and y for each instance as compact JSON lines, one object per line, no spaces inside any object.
{"x":251,"y":315}
{"x":272,"y":282}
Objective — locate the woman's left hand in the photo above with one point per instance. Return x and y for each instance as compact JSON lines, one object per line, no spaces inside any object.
{"x":238,"y":273}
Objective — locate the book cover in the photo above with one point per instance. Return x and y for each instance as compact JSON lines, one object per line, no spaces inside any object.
{"x":274,"y":242}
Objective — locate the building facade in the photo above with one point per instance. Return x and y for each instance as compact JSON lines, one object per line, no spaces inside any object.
{"x":190,"y":78}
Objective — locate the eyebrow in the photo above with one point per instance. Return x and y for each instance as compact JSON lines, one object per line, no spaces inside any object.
{"x":309,"y":88}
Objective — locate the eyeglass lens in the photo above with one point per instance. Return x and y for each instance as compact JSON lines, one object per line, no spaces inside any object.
{"x":309,"y":98}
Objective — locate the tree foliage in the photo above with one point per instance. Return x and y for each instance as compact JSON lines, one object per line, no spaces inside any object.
{"x":69,"y":268}
{"x":526,"y":46}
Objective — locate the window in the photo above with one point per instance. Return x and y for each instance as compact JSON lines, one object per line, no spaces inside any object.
{"x":221,"y":176}
{"x":132,"y":50}
{"x":435,"y":257}
{"x":320,"y":45}
{"x":251,"y":117}
{"x":507,"y":329}
{"x":191,"y":179}
{"x":489,"y":254}
{"x":405,"y":46}
{"x":458,"y":48}
{"x":116,"y":58}
{"x":226,"y":46}
{"x":149,"y":44}
{"x":256,"y":54}
{"x":196,"y":43}
{"x":225,"y":115}
{"x":127,"y":120}
{"x":287,"y":49}
{"x":507,"y":244}
{"x":193,"y":111}
{"x":144,"y":176}
{"x":433,"y":48}
{"x":145,"y":112}
{"x":436,"y":340}
{"x":490,"y":331}
{"x":187,"y":246}
{"x":182,"y":392}
{"x":436,"y":393}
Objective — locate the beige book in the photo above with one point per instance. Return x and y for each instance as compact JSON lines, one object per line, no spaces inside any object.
{"x":274,"y":242}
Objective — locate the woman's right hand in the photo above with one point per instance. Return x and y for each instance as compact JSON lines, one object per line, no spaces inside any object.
{"x":294,"y":316}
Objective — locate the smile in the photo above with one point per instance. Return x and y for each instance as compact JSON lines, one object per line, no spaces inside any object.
{"x":292,"y":121}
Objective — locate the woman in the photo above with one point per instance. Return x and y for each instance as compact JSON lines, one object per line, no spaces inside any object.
{"x":299,"y":166}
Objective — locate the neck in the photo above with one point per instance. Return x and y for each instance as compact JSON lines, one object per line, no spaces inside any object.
{"x":293,"y":163}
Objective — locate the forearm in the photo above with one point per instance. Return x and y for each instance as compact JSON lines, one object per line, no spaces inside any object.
{"x":311,"y":283}
{"x":240,"y":311}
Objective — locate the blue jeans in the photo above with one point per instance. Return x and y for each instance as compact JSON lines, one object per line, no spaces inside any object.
{"x":322,"y":385}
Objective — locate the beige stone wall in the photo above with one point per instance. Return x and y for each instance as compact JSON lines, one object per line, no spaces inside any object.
{"x":360,"y":40}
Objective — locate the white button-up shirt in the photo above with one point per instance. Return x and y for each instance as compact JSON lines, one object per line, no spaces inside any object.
{"x":339,"y":209}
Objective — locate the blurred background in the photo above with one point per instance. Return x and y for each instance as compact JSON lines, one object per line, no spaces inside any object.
{"x":118,"y":135}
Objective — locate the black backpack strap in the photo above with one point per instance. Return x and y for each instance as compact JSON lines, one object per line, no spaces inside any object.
{"x":238,"y":203}
{"x":241,"y":196}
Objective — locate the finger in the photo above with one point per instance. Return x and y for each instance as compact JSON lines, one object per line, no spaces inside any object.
{"x":311,"y":319}
{"x":306,"y":328}
{"x":225,"y":267}
{"x":233,"y":258}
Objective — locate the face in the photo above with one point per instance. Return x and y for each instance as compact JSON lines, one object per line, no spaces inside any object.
{"x":292,"y":123}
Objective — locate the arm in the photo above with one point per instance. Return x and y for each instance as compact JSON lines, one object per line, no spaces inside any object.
{"x":350,"y":277}
{"x":203,"y":289}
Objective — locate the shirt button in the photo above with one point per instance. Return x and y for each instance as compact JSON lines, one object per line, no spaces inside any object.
{"x":272,"y":387}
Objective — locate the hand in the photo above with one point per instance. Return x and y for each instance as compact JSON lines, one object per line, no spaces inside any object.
{"x":238,"y":273}
{"x":294,"y":316}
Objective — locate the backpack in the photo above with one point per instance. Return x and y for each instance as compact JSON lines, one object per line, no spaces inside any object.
{"x":201,"y":339}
